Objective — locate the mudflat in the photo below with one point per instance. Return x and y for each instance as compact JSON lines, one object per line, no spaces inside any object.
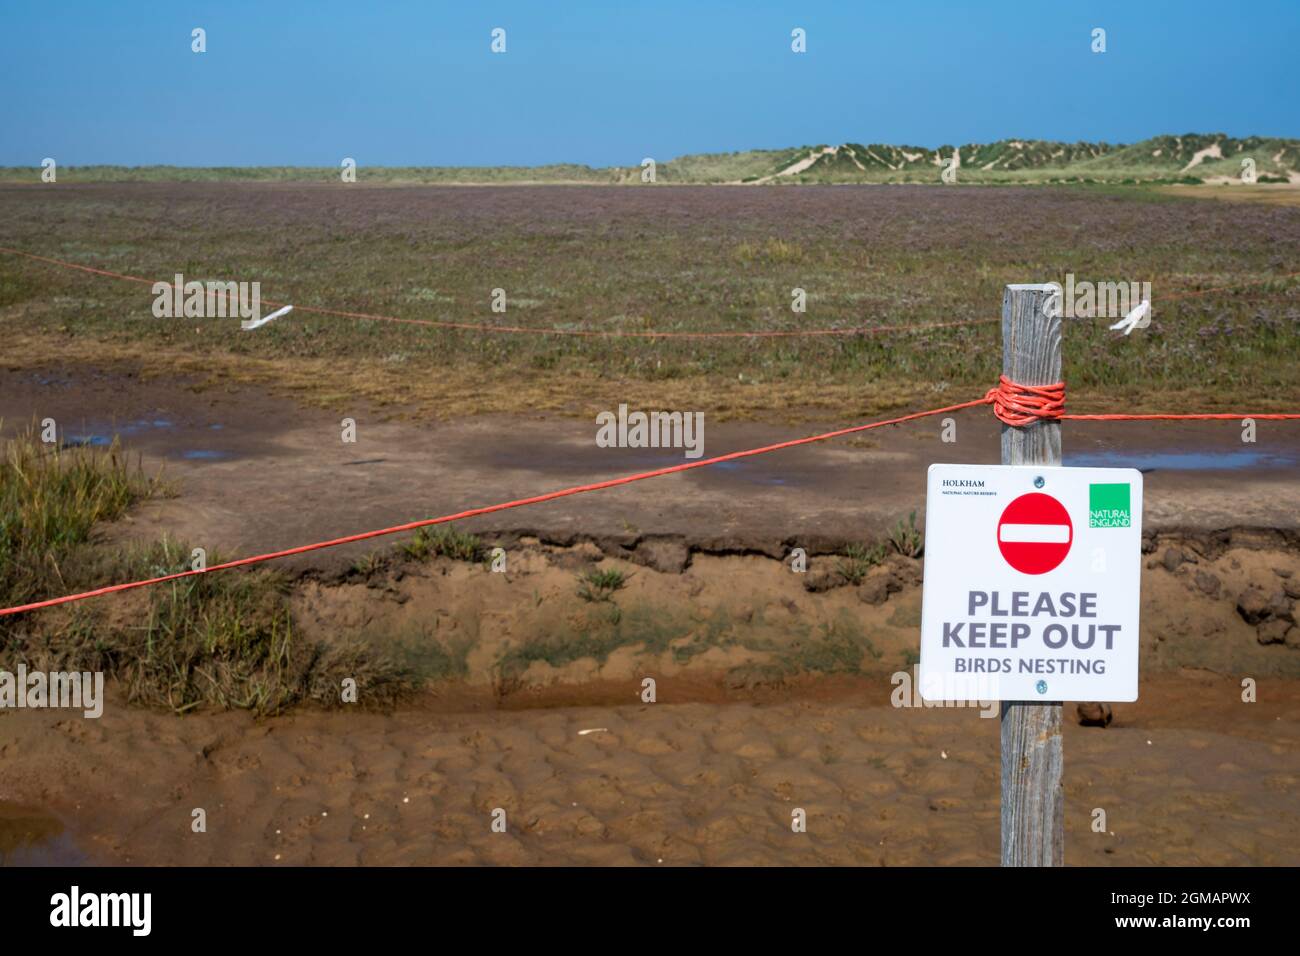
{"x":1187,"y":775}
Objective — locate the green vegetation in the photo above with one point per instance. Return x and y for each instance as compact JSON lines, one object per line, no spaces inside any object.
{"x":224,"y":639}
{"x":595,"y":633}
{"x":771,"y":251}
{"x":50,"y":499}
{"x":907,"y":538}
{"x":420,"y":652}
{"x":220,"y":638}
{"x":675,"y":260}
{"x":858,"y":560}
{"x":837,"y":646}
{"x":558,"y":651}
{"x":370,"y":563}
{"x":600,"y":584}
{"x":443,"y":541}
{"x":841,"y":648}
{"x":1191,"y":158}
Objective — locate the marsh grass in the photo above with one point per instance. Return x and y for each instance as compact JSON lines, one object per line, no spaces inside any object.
{"x":50,"y":500}
{"x":841,"y":647}
{"x":771,"y":250}
{"x":907,"y":539}
{"x":221,"y":638}
{"x":443,"y":541}
{"x":368,"y":564}
{"x":858,"y":560}
{"x":600,"y":584}
{"x":224,"y":639}
{"x":428,"y":656}
{"x":670,"y":259}
{"x":596,"y":633}
{"x":837,"y":646}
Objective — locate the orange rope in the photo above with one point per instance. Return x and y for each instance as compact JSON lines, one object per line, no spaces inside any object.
{"x":489,"y":509}
{"x":524,"y":330}
{"x":1013,"y":403}
{"x":1020,"y":405}
{"x":1191,"y":293}
{"x":603,"y":333}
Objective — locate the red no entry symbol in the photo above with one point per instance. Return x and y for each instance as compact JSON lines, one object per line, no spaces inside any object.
{"x":1035,"y":533}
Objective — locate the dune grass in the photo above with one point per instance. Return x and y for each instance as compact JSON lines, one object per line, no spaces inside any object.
{"x":1163,"y":158}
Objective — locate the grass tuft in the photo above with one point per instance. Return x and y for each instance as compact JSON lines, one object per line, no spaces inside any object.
{"x":858,"y":560}
{"x":600,"y":584}
{"x":443,"y":541}
{"x":50,"y":499}
{"x":224,"y":639}
{"x":907,"y":539}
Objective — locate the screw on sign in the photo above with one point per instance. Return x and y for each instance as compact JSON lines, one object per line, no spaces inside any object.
{"x":1035,"y":533}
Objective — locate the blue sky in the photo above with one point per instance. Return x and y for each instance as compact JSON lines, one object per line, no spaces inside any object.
{"x":308,"y":82}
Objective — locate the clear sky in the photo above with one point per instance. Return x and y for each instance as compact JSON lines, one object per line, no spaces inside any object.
{"x":308,"y":82}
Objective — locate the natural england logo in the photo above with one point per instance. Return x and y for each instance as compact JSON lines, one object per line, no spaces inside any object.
{"x":1109,"y":506}
{"x":208,"y":300}
{"x":651,"y":430}
{"x":59,"y":689}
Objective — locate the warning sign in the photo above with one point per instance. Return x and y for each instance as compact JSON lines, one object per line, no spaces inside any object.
{"x":1031,"y":583}
{"x":1035,"y":533}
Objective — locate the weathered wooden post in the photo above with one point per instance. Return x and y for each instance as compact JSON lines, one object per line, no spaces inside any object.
{"x":1033,"y":808}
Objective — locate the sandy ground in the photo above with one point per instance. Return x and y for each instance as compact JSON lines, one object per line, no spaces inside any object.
{"x":1189,"y":775}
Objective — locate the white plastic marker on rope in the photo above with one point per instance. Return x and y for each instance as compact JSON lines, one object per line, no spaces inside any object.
{"x":258,"y":323}
{"x":1134,"y":320}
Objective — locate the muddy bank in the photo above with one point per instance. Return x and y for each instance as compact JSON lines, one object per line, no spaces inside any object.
{"x":732,"y":624}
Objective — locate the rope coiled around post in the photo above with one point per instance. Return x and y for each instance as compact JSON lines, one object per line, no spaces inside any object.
{"x":1019,"y":405}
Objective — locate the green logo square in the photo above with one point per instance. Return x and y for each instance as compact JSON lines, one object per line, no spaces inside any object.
{"x":1109,"y":506}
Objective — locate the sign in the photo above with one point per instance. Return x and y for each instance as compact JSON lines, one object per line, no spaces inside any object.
{"x":1032,"y":577}
{"x":1035,"y":533}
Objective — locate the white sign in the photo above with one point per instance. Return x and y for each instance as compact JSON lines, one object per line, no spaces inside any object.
{"x":1031,"y":583}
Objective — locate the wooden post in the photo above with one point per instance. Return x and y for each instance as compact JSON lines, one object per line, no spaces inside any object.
{"x":1033,"y":808}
